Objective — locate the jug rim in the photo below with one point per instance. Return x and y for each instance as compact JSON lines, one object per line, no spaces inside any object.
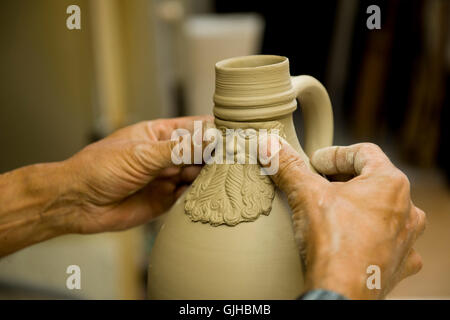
{"x":258,"y":62}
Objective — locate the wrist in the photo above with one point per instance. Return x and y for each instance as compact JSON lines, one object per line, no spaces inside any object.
{"x":346,"y":280}
{"x":37,"y":204}
{"x":321,"y":294}
{"x":60,"y":197}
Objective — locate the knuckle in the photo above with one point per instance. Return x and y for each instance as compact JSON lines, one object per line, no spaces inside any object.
{"x":289,"y":170}
{"x":154,"y":124}
{"x":422,"y":217}
{"x":370,"y":147}
{"x":147,"y":124}
{"x":293,"y":165}
{"x":373,"y":151}
{"x":417,"y":263}
{"x":421,"y":213}
{"x":422,"y":221}
{"x":139,"y":153}
{"x":399,"y":179}
{"x":291,"y":162}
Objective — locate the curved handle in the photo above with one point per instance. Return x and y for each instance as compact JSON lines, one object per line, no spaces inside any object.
{"x":317,"y":112}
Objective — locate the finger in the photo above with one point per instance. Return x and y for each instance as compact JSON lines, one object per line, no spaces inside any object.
{"x":166,"y":186}
{"x":156,"y":156}
{"x":185,"y":174}
{"x":357,"y":159}
{"x":189,"y":173}
{"x":292,"y":174}
{"x":160,"y":155}
{"x":169,"y":172}
{"x":140,"y":208}
{"x":162,"y":129}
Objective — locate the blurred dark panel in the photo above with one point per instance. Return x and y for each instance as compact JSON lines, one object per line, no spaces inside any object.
{"x":397,"y":76}
{"x":299,"y":30}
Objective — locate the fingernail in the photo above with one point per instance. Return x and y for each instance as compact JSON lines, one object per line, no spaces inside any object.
{"x":270,"y":146}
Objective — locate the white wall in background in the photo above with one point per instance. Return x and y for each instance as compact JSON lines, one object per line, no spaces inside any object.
{"x":208,"y":39}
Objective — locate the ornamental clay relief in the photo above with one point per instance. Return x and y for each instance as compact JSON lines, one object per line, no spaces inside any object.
{"x":233,"y":193}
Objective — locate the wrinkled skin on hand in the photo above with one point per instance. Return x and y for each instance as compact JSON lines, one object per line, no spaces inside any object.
{"x":344,"y":227}
{"x":128,"y":178}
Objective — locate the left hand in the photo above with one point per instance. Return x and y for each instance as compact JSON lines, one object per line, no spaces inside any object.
{"x":128,"y":178}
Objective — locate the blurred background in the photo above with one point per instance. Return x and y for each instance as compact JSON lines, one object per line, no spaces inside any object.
{"x":134,"y":60}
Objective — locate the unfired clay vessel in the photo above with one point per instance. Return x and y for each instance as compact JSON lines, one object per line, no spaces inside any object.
{"x":230,"y":235}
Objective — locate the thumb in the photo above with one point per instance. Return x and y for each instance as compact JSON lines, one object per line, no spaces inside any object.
{"x":155,"y":156}
{"x":186,"y":149}
{"x":293,"y":174}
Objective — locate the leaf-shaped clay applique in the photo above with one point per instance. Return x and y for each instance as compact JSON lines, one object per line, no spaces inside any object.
{"x":229,"y":194}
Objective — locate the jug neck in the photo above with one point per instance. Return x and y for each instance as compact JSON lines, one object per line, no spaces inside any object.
{"x":253,"y":88}
{"x":254,"y":92}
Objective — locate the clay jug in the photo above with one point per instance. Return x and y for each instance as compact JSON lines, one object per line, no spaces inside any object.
{"x":230,"y":235}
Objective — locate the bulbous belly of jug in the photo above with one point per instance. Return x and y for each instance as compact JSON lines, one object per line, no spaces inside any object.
{"x":252,"y":260}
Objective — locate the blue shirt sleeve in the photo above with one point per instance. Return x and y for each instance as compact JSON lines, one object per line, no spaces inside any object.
{"x":321,"y":294}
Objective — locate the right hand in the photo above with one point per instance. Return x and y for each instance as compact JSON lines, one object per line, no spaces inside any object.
{"x":344,"y":227}
{"x":128,"y":178}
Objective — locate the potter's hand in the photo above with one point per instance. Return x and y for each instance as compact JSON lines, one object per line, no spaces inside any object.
{"x":344,"y":227}
{"x":128,"y":178}
{"x":116,"y":183}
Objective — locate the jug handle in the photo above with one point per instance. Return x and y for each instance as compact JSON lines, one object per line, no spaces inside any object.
{"x":317,"y":112}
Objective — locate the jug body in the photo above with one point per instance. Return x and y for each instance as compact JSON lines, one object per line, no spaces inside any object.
{"x":256,"y":260}
{"x":230,"y":235}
